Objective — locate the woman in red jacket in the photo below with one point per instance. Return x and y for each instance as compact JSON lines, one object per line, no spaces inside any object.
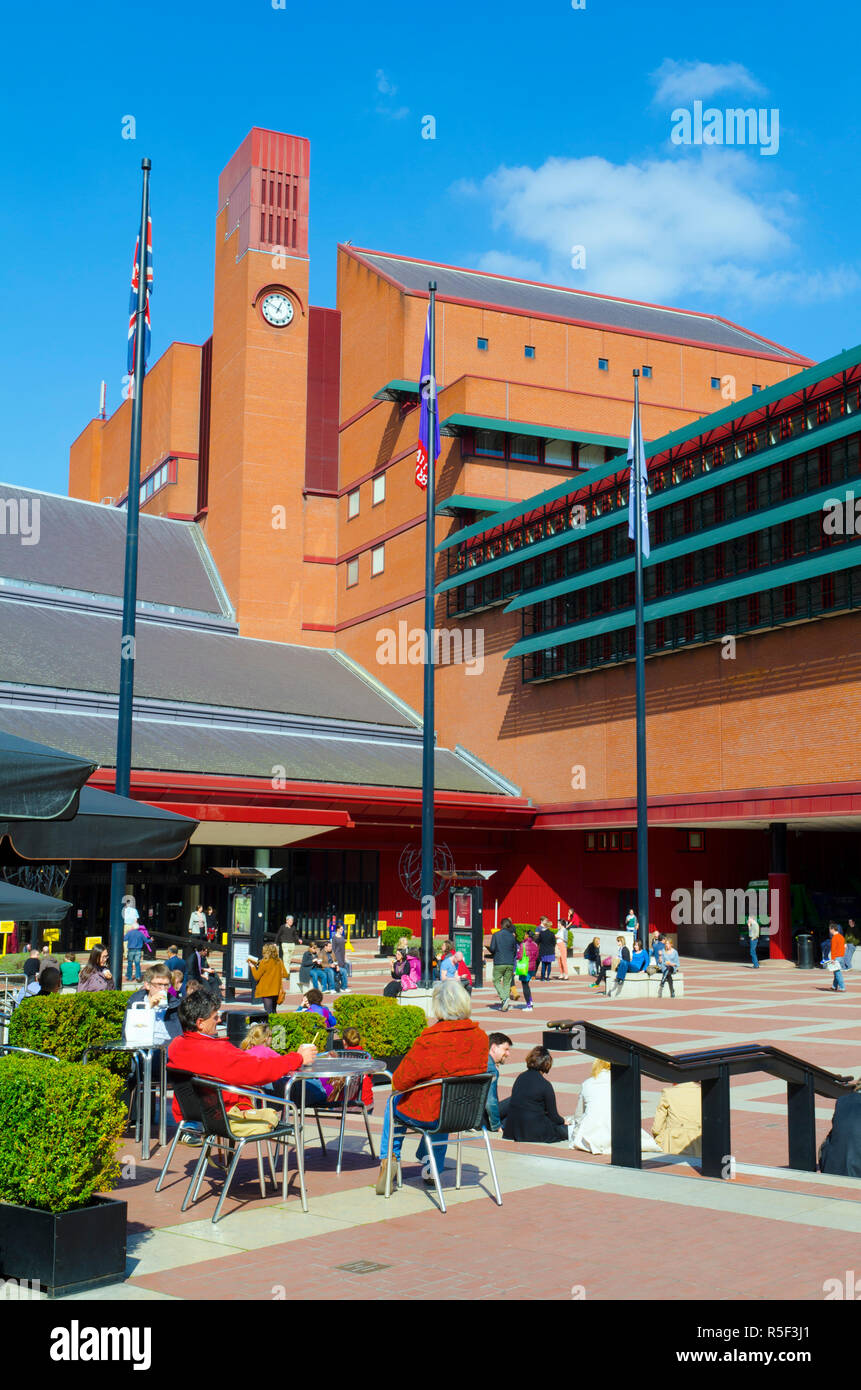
{"x":453,"y":1046}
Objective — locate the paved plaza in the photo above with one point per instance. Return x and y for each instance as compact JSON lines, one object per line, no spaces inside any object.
{"x":572,"y":1225}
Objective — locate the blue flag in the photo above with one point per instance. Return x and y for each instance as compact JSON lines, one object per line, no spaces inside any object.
{"x":427,"y":391}
{"x":636,"y":438}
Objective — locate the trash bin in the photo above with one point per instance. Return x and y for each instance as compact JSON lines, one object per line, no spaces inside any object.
{"x":805,"y":944}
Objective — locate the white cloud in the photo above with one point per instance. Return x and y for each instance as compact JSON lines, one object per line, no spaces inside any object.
{"x":393,"y":113}
{"x":388,"y":89}
{"x":384,"y":85}
{"x":692,"y":80}
{"x":690,"y":230}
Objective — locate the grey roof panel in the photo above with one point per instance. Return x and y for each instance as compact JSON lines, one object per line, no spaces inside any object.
{"x":172,"y":746}
{"x":646,"y":319}
{"x":81,"y":547}
{"x":42,"y":646}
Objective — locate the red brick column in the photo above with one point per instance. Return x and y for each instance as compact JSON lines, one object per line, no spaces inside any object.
{"x":779,"y":890}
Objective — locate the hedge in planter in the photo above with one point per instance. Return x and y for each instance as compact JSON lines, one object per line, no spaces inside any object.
{"x":350,"y":1010}
{"x":289,"y":1030}
{"x":66,"y":1024}
{"x":60,"y":1126}
{"x":391,"y":1032}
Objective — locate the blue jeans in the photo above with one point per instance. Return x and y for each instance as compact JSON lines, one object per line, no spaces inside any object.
{"x":439,"y":1140}
{"x":134,"y":960}
{"x":322,"y":977}
{"x":839,"y":982}
{"x":753,"y":955}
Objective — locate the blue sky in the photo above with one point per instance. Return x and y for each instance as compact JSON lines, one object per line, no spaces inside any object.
{"x":552,"y":131}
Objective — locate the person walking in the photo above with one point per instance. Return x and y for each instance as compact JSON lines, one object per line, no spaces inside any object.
{"x":269,"y":973}
{"x":621,"y":969}
{"x":134,"y":940}
{"x":546,"y":947}
{"x":838,"y":953}
{"x":338,"y":945}
{"x":523,"y":970}
{"x":753,"y":940}
{"x":631,"y":922}
{"x":197,"y":921}
{"x":211,"y":925}
{"x":502,"y":950}
{"x":671,"y":965}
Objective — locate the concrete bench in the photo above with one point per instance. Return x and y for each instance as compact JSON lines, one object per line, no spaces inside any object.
{"x":643,"y":986}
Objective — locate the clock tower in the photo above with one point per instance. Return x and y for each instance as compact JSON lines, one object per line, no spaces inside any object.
{"x":254,"y":516}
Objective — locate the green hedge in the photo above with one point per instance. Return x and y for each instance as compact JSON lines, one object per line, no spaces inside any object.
{"x":13,"y":965}
{"x":386,"y":1032}
{"x":349,"y":1009}
{"x":65,"y":1024}
{"x":289,"y":1030}
{"x":390,"y":936}
{"x":60,"y":1126}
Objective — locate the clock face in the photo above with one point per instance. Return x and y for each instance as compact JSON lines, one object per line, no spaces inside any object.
{"x":277,"y":309}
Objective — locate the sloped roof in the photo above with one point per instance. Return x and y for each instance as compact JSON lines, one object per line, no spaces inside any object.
{"x":602,"y":311}
{"x":80,"y":548}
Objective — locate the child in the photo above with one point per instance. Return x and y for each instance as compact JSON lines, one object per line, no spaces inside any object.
{"x":314,"y":1004}
{"x":177,"y":978}
{"x":352,"y":1042}
{"x":258,"y":1043}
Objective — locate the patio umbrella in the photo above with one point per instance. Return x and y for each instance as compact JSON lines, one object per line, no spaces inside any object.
{"x":107,"y":826}
{"x":37,"y":782}
{"x":20,"y":905}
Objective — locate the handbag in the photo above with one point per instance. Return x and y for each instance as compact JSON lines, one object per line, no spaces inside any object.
{"x":522,"y":966}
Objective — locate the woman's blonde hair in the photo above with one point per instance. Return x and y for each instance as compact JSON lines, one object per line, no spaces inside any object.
{"x":258,"y":1034}
{"x":450,"y":1001}
{"x":598,"y":1066}
{"x":270,"y":951}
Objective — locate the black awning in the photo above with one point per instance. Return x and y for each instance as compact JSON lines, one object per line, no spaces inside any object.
{"x":20,"y":905}
{"x":37,"y":782}
{"x":106,"y":827}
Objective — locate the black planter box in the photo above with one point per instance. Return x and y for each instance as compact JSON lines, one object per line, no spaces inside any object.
{"x":66,"y":1250}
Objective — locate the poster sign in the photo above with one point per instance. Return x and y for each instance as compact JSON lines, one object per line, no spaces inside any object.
{"x":240,"y":959}
{"x":52,"y":935}
{"x":92,"y":941}
{"x":7,"y":928}
{"x":463,"y":942}
{"x":242,"y":916}
{"x":349,"y":919}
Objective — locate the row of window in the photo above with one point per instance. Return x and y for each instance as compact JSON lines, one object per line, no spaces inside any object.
{"x":521,"y":448}
{"x":378,"y":564}
{"x":607,"y":497}
{"x":378,"y":495}
{"x":792,"y":603}
{"x":154,"y":483}
{"x":613,"y":841}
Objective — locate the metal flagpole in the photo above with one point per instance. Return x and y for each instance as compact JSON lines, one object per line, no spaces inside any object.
{"x":130,"y":583}
{"x":640,"y":647}
{"x":428,"y":901}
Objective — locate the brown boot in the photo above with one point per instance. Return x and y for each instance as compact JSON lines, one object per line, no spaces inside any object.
{"x":383,"y":1174}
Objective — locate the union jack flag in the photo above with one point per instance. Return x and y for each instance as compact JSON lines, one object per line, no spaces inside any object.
{"x":133,"y":300}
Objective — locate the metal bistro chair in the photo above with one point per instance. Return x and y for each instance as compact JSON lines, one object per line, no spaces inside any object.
{"x":462,"y":1107}
{"x":26,"y":1052}
{"x":353,"y":1105}
{"x":217,"y":1131}
{"x":192,"y":1121}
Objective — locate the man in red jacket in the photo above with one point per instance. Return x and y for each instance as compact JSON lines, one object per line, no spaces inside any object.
{"x":453,"y":1046}
{"x":200,"y":1052}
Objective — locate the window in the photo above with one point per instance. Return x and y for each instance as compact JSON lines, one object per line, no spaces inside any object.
{"x":352,"y":504}
{"x":647,"y":371}
{"x":524,"y":448}
{"x":754,"y":387}
{"x":489,"y":444}
{"x":603,"y":364}
{"x":696,"y":841}
{"x":352,"y":573}
{"x":715,"y":383}
{"x":557,"y":452}
{"x":379,"y":490}
{"x":481,"y":344}
{"x":378,"y":559}
{"x":528,"y":351}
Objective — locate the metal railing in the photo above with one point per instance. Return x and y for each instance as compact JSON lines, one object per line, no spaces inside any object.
{"x":712,"y":1068}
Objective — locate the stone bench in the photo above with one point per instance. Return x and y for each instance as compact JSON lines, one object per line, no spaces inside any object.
{"x":643,"y":986}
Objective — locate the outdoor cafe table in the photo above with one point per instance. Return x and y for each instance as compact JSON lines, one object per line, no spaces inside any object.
{"x":144,"y":1058}
{"x":327,"y":1068}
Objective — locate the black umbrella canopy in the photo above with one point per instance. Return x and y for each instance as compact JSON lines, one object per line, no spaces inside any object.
{"x":106,"y":827}
{"x":20,"y":905}
{"x":37,"y":782}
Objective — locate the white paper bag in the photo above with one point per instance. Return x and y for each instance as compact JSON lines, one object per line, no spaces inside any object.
{"x":140,"y":1025}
